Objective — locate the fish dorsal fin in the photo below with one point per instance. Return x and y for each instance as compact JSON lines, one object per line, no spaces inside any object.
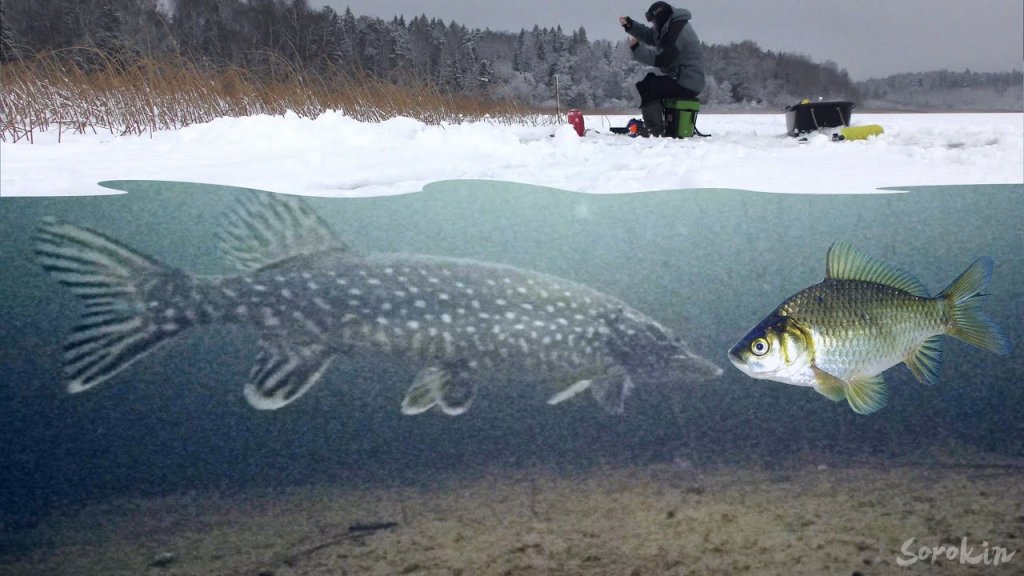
{"x":265,"y":227}
{"x":844,"y":262}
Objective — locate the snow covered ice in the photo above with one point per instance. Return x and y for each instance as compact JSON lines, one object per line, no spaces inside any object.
{"x":334,"y":155}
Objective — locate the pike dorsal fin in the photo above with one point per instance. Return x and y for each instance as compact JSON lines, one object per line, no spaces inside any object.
{"x":265,"y":227}
{"x":844,"y":262}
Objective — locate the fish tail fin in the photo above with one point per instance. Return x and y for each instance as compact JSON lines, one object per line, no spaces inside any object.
{"x":127,"y":298}
{"x":970,"y":323}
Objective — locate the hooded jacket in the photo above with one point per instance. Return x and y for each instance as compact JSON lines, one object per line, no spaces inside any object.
{"x":682,"y":59}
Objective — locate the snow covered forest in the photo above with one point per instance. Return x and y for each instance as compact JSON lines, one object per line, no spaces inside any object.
{"x":261,"y":36}
{"x":945,"y":90}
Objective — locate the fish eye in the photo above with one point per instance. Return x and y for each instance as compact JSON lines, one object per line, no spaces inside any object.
{"x":760,"y":347}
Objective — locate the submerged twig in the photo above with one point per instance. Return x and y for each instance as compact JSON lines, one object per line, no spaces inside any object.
{"x":355,"y":531}
{"x":371,"y":527}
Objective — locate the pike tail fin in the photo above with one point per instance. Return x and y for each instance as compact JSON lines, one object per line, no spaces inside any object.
{"x":970,"y":323}
{"x":128,"y":300}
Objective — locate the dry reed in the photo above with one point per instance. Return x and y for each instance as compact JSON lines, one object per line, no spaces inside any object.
{"x":138,"y":96}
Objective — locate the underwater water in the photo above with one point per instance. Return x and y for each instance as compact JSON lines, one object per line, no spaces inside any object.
{"x":155,"y":460}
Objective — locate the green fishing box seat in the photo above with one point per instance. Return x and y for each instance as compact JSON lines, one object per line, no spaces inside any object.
{"x":680,"y":117}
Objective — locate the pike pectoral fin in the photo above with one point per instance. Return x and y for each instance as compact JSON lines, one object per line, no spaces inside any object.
{"x":926,"y":361}
{"x":451,"y":390}
{"x":611,"y":389}
{"x":829,"y":386}
{"x":570,"y":392}
{"x":283,"y":372}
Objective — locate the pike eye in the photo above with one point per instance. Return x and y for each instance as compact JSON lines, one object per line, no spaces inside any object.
{"x":760,"y":347}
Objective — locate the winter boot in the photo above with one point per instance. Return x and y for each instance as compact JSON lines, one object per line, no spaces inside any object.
{"x":654,"y":117}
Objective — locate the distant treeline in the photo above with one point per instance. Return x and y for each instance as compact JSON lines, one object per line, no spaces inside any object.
{"x":532,"y":67}
{"x":945,"y":90}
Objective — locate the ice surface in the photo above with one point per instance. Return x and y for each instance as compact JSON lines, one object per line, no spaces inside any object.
{"x":335,"y":155}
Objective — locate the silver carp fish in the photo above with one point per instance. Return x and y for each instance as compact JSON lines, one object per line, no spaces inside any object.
{"x":312,"y":299}
{"x":838,"y":336}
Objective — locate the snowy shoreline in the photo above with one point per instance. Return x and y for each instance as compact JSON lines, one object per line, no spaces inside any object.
{"x":334,"y":155}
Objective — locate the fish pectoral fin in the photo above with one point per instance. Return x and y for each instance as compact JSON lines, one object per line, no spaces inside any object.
{"x":285,"y":371}
{"x":452,"y":390}
{"x":611,"y":389}
{"x":570,"y":392}
{"x":829,"y":386}
{"x":867,"y":395}
{"x":926,"y":361}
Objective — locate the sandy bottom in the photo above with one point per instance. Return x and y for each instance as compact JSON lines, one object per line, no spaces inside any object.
{"x":623,"y":521}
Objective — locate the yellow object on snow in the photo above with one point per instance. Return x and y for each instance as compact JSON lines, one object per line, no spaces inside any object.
{"x":860,"y":132}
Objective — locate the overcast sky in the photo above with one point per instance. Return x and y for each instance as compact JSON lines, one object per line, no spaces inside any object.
{"x":869,"y":38}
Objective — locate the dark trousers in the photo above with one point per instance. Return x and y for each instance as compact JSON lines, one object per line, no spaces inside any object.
{"x":656,"y":88}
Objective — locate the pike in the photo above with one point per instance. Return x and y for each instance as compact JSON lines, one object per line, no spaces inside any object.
{"x":312,"y":299}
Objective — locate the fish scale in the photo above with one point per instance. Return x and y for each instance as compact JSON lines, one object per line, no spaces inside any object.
{"x":390,"y":303}
{"x":860,"y":327}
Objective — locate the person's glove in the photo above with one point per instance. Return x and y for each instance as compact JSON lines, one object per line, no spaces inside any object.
{"x":627,"y":23}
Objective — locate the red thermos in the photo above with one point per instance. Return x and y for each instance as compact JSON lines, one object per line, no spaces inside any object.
{"x":576,"y":119}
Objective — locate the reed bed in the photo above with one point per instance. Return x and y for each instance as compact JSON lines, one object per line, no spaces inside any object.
{"x":53,"y":91}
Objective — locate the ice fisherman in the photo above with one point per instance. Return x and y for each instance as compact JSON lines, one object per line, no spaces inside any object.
{"x":671,"y":45}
